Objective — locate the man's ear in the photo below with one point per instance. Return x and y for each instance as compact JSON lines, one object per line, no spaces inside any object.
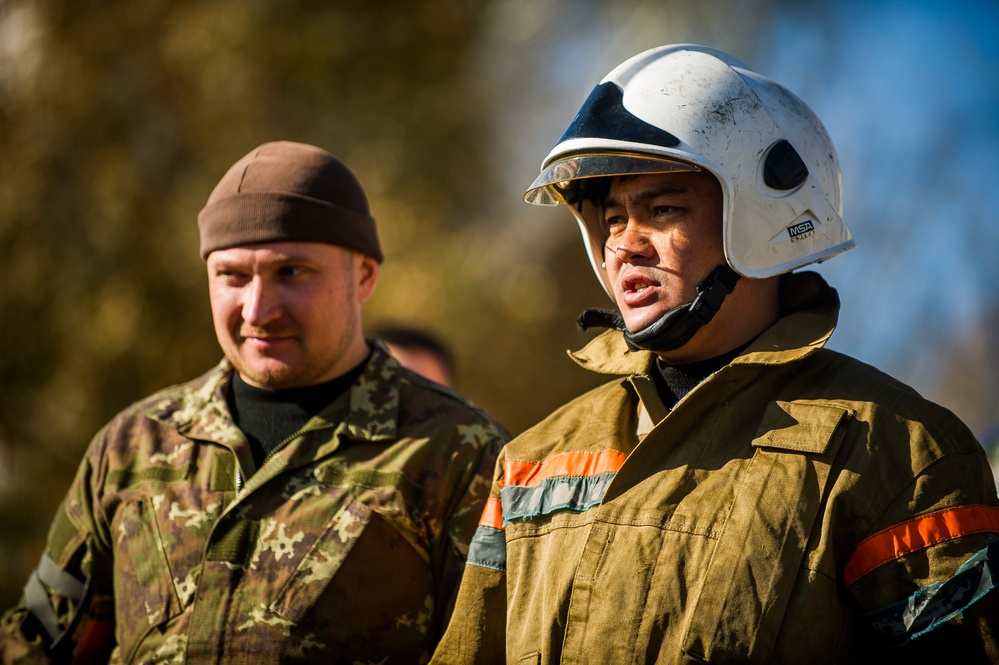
{"x":367,"y":276}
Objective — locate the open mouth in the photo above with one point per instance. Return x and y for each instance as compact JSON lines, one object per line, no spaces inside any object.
{"x":638,"y":289}
{"x":636,"y":286}
{"x":636,"y":283}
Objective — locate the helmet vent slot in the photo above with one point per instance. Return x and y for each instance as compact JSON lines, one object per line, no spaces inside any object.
{"x":784,"y":168}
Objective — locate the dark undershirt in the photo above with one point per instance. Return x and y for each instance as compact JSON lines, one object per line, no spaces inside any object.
{"x":673,"y":382}
{"x":267,"y":417}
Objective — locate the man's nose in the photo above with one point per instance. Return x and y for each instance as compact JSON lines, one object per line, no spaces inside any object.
{"x":260,"y":305}
{"x":632,"y":243}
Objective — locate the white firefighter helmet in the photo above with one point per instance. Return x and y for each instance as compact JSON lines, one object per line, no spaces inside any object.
{"x":691,"y":108}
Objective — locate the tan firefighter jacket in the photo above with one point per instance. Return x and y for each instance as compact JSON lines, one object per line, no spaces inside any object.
{"x":782,"y":512}
{"x":346,"y":545}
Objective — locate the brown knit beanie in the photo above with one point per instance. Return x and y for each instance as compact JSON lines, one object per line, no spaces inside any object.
{"x":288,"y":191}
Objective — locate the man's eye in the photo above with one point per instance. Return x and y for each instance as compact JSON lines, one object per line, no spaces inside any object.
{"x":663,"y":210}
{"x":290,"y":272}
{"x":614,"y":220}
{"x":230,"y":275}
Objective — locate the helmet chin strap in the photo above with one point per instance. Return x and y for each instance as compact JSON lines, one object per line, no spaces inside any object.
{"x":674,"y":328}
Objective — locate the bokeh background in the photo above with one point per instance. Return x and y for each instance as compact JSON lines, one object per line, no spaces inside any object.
{"x":117,"y":118}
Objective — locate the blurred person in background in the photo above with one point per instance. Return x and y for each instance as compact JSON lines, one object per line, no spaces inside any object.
{"x":738,"y":493}
{"x":419,"y":350}
{"x":296,"y":502}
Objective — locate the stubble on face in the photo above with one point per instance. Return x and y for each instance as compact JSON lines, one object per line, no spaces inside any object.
{"x":310,"y":363}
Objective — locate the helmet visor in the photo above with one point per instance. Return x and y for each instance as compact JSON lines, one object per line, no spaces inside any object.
{"x":559,"y":181}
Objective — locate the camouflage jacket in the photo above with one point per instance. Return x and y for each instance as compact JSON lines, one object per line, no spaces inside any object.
{"x":346,"y":545}
{"x":797,"y":506}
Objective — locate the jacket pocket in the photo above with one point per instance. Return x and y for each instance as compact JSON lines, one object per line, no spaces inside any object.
{"x":322,"y":561}
{"x":143,"y":587}
{"x":741,"y":605}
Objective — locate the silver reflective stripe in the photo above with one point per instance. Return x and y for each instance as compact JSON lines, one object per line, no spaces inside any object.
{"x":488,"y":548}
{"x":576,"y":493}
{"x":36,"y":599}
{"x":36,"y":594}
{"x":59,"y":580}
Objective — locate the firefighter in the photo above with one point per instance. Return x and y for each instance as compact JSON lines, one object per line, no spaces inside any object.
{"x":735,"y":492}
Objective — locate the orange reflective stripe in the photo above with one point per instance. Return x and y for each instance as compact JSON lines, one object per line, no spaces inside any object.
{"x":525,"y":473}
{"x":492,"y":514}
{"x":919,"y":533}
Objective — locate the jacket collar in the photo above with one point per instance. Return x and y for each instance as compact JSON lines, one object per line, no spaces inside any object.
{"x":809,"y":312}
{"x":373,"y":413}
{"x":372,"y":408}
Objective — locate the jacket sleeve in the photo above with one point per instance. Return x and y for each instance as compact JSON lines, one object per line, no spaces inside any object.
{"x":925,"y":575}
{"x":469,"y":493}
{"x":66,"y":613}
{"x":476,"y":633}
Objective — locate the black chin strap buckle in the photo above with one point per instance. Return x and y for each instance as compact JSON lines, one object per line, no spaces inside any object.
{"x":712,"y":291}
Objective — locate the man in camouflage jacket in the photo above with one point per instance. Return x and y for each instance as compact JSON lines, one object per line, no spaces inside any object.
{"x":342,"y":541}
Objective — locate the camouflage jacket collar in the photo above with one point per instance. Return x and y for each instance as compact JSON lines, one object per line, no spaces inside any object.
{"x":809,"y":311}
{"x":373,"y":413}
{"x":372,"y":404}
